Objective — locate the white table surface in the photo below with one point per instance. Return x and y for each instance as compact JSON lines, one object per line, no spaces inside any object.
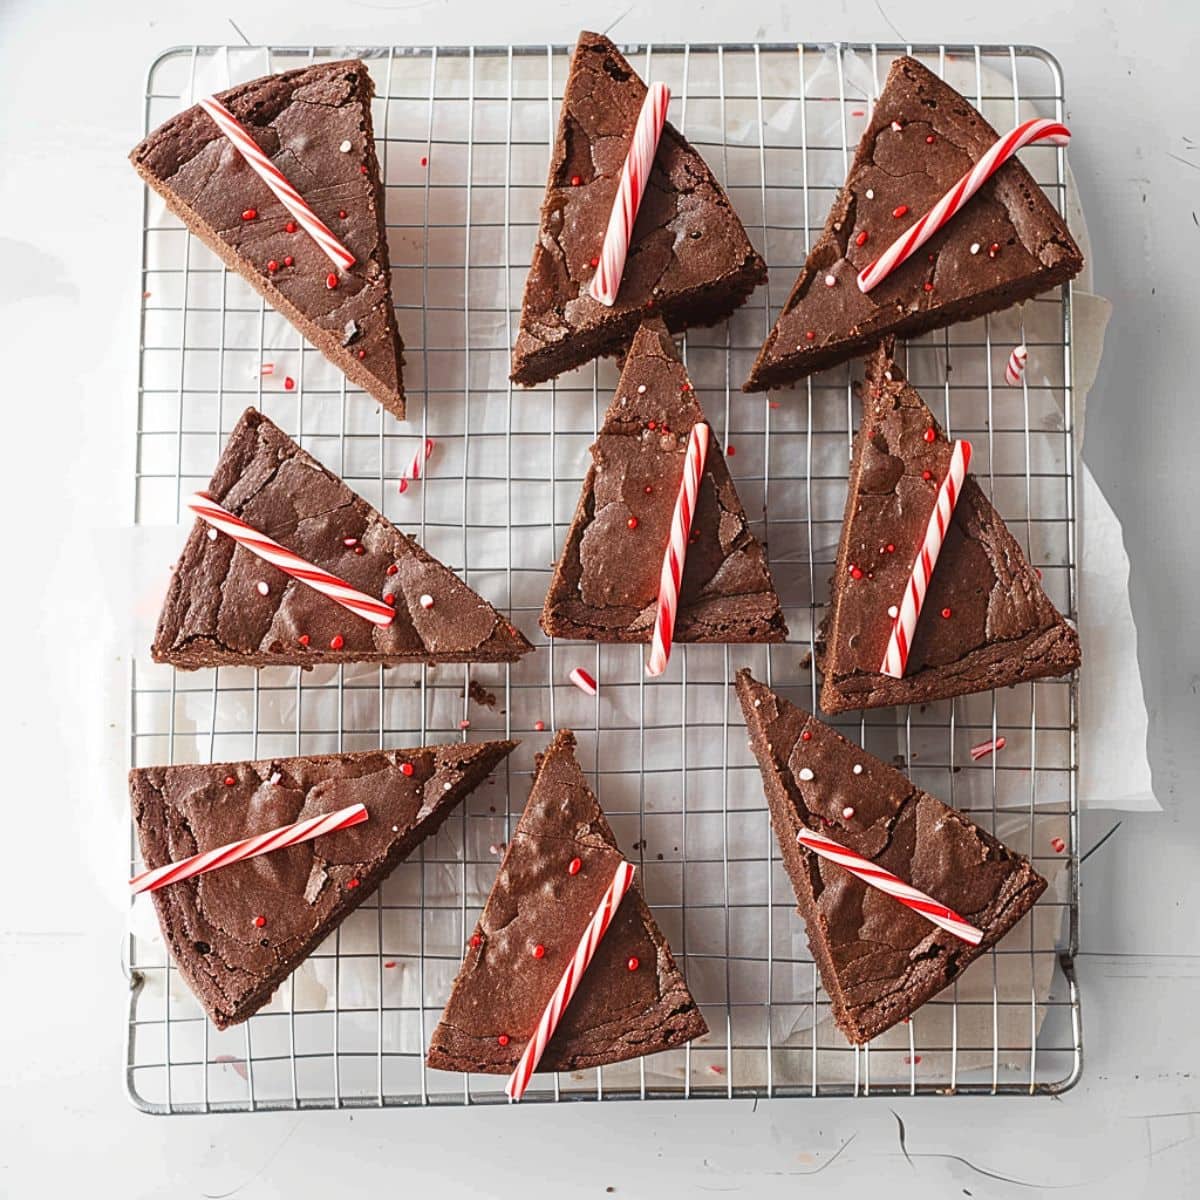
{"x":71,"y":76}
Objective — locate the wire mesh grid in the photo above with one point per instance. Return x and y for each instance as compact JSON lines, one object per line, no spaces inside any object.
{"x":463,"y":136}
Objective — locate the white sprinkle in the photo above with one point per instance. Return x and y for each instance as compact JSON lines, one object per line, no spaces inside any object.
{"x":426,"y":600}
{"x":893,"y":611}
{"x":858,"y":768}
{"x":446,"y":786}
{"x":275,"y":777}
{"x":806,"y":774}
{"x":870,"y":193}
{"x":758,"y":704}
{"x":641,"y":389}
{"x":262,"y":588}
{"x":830,"y":280}
{"x":395,"y":828}
{"x":974,"y":247}
{"x":212,"y":535}
{"x":896,"y":127}
{"x":847,"y":812}
{"x":345,"y":146}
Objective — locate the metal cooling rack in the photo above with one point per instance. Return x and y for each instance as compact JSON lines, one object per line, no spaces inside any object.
{"x":464,"y":135}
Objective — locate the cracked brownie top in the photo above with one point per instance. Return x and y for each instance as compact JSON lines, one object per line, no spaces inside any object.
{"x":226,"y":606}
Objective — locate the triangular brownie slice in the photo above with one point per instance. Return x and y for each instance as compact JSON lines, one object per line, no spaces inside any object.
{"x":227,"y":607}
{"x":315,"y":125}
{"x":689,"y":257}
{"x":986,"y":621}
{"x":605,"y":584}
{"x":879,"y":960}
{"x":632,"y":999}
{"x":1008,"y":243}
{"x":237,"y":932}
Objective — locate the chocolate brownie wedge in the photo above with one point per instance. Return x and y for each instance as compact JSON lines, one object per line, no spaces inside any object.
{"x":605,"y":584}
{"x":315,"y":125}
{"x":228,"y":607}
{"x":986,"y":621}
{"x":689,"y":257}
{"x":237,"y":932}
{"x":879,"y":960}
{"x":632,"y":999}
{"x":1006,"y":244}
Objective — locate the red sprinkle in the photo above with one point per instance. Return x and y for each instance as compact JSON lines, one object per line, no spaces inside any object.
{"x":272,"y":266}
{"x":993,"y":249}
{"x":1058,"y":844}
{"x":810,"y":335}
{"x":890,"y":548}
{"x":464,"y":724}
{"x":476,"y":940}
{"x":389,"y":600}
{"x":337,"y":642}
{"x":249,"y":214}
{"x":342,"y":213}
{"x":362,"y":354}
{"x":288,"y":384}
{"x":503,"y":1039}
{"x":290,"y":227}
{"x":930,"y":139}
{"x":899,"y":211}
{"x":424,"y":161}
{"x":633,"y":963}
{"x":288,"y":260}
{"x":632,"y":523}
{"x":946,"y":613}
{"x":393,"y":569}
{"x":390,"y":963}
{"x":730,"y":451}
{"x":574,"y":866}
{"x":595,"y":261}
{"x":576,"y":180}
{"x":353,"y":883}
{"x":230,"y":781}
{"x":539,"y":951}
{"x":648,"y":489}
{"x":651,"y":425}
{"x":806,"y":736}
{"x":406,"y":768}
{"x":331,"y":281}
{"x":861,"y":240}
{"x":303,"y":639}
{"x":363,"y":169}
{"x":927,"y":475}
{"x":856,"y":573}
{"x":360,"y":549}
{"x":927,"y":285}
{"x":260,"y":922}
{"x":539,"y":726}
{"x":930,"y":434}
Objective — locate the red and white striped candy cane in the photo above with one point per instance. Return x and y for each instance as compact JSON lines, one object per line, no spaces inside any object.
{"x":275,"y":179}
{"x":413,"y":470}
{"x":606,"y":283}
{"x":518,"y":1081}
{"x":269,"y":550}
{"x":1015,"y":367}
{"x":891,"y":885}
{"x":260,"y":843}
{"x":1037,"y":130}
{"x":675,"y":556}
{"x":904,"y":624}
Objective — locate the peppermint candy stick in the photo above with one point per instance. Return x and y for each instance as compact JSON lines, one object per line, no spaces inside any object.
{"x":1039,"y":129}
{"x":676,"y":553}
{"x":269,"y":550}
{"x":413,"y":470}
{"x":606,"y":283}
{"x":275,"y":179}
{"x":1015,"y":367}
{"x":261,"y":843}
{"x":904,"y":624}
{"x":892,"y":885}
{"x":518,"y":1081}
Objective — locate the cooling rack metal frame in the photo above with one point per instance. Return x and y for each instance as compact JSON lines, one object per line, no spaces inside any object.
{"x":463,"y":135}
